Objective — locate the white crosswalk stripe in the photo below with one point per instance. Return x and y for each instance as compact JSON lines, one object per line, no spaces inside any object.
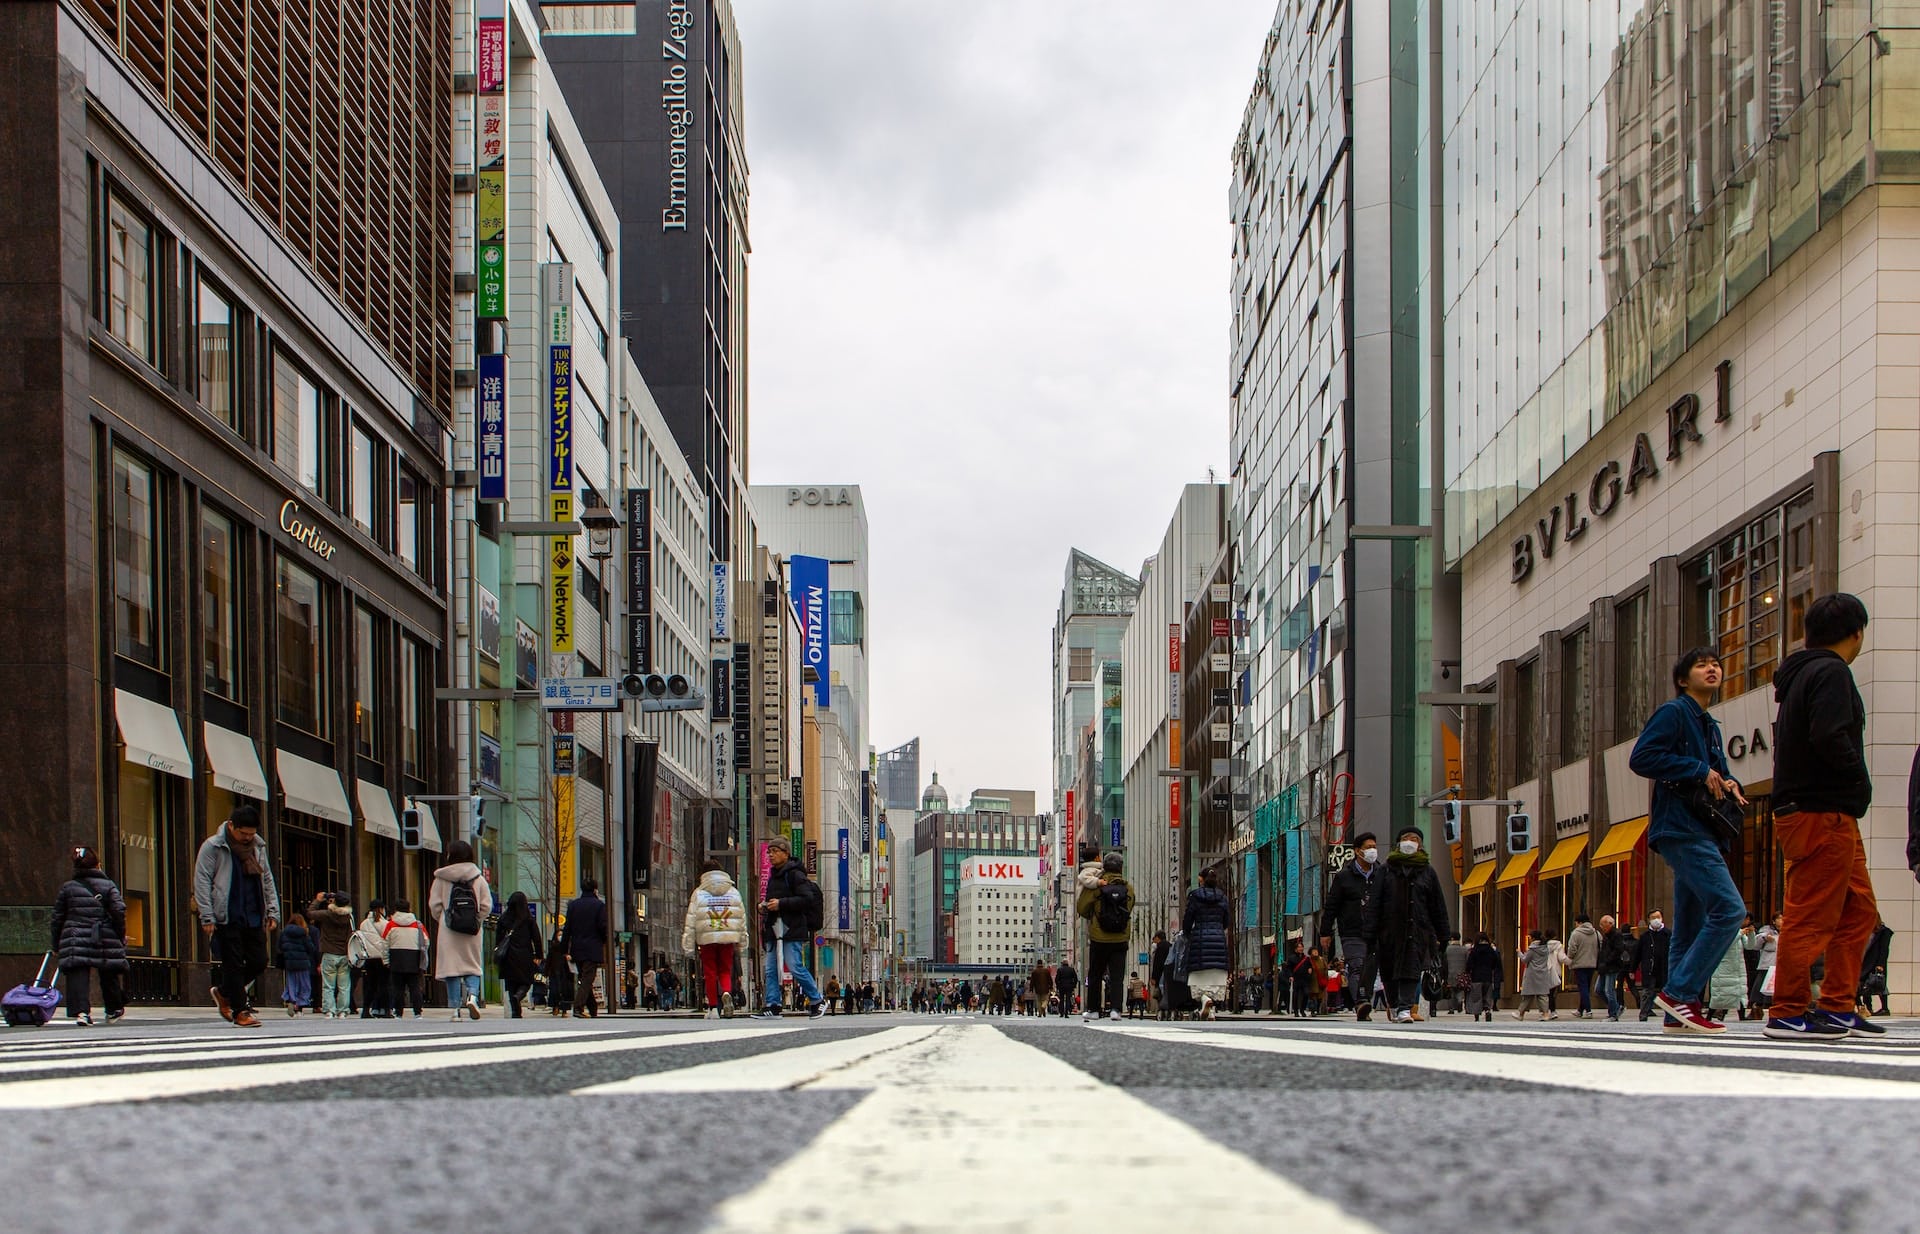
{"x":1903,"y":1054}
{"x":781,"y":1069}
{"x":103,"y":1058}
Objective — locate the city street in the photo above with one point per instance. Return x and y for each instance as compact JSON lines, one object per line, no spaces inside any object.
{"x":892,"y":1122}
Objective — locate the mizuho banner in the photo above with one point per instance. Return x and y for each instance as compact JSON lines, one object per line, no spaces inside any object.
{"x":846,"y":892}
{"x":808,"y":576}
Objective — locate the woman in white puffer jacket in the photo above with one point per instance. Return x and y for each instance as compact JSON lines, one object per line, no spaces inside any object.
{"x":717,"y":924}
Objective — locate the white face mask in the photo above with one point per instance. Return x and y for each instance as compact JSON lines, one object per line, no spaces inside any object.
{"x":1409,"y":847}
{"x":1369,"y":855}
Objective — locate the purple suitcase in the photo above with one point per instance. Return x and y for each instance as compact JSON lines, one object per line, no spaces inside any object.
{"x":32,"y":1004}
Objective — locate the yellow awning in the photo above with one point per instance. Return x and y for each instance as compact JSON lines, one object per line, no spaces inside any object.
{"x":1565,"y":853}
{"x":1478,"y":878}
{"x":1518,"y":867}
{"x":1618,"y":846}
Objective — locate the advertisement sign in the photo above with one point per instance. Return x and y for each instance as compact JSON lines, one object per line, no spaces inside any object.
{"x":1251,"y":882}
{"x":526,"y":656}
{"x":560,"y":418}
{"x":556,"y":300}
{"x":560,"y":580}
{"x":640,"y":580}
{"x":492,"y":427}
{"x":579,"y":694}
{"x":1292,"y":856}
{"x":566,"y":837}
{"x":490,"y":60}
{"x":722,"y":759}
{"x":846,"y":890}
{"x":719,"y":690}
{"x":1173,"y":804}
{"x":490,"y":188}
{"x":766,"y":869}
{"x":808,"y":577}
{"x":722,"y":604}
{"x":1222,"y":627}
{"x":490,"y":271}
{"x":489,"y":624}
{"x":563,"y":754}
{"x":489,"y":761}
{"x":490,"y":162}
{"x":1115,"y":828}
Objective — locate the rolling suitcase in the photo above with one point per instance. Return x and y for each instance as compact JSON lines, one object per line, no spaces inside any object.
{"x":32,"y":1004}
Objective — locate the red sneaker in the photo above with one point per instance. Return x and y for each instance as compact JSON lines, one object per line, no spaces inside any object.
{"x":1688,"y":1018}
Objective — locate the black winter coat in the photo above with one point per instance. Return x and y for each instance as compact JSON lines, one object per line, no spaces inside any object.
{"x":1350,"y":902}
{"x":1819,"y":751}
{"x":799,"y":898}
{"x":90,"y":924}
{"x":1410,"y":917}
{"x":586,"y":930}
{"x":521,"y":953}
{"x":1651,"y":958}
{"x":1484,"y":966}
{"x":1205,"y":924}
{"x":1618,"y":951}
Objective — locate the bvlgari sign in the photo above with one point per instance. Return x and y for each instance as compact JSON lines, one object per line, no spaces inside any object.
{"x":1567,"y":522}
{"x":310,"y":534}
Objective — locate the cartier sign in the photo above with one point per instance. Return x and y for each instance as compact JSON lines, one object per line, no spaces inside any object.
{"x":1570,"y":520}
{"x":295,"y":524}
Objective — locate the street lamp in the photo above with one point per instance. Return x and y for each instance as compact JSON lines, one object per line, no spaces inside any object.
{"x":601,"y":521}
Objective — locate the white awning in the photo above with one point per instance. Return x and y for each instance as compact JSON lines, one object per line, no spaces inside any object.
{"x":429,"y":829}
{"x":234,"y":762}
{"x":313,"y":789}
{"x":376,"y":808}
{"x":152,"y":734}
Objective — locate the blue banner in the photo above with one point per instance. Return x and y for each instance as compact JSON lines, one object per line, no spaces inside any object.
{"x":846,"y":891}
{"x":493,"y":428}
{"x":808,"y":576}
{"x":1116,"y":834}
{"x":1292,"y":850}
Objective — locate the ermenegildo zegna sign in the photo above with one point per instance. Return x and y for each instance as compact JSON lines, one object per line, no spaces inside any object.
{"x":1568,"y":521}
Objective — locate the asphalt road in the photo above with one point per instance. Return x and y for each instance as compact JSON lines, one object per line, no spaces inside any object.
{"x":897,"y":1123}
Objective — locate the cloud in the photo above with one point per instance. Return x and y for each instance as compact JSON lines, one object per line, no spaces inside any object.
{"x":989,"y":283}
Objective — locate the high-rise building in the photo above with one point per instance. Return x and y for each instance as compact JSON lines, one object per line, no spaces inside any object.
{"x":1332,"y":431}
{"x":943,"y":841}
{"x":994,"y":913}
{"x":228,"y":313}
{"x":900,"y":776}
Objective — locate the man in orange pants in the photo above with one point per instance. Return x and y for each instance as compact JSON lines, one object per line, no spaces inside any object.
{"x":1820,"y":790}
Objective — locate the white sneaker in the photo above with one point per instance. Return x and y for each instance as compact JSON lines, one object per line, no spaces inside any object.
{"x":1403,"y":1016}
{"x":471,"y":1007}
{"x":1086,"y":1017}
{"x":713,"y":1013}
{"x":1114,"y":1016}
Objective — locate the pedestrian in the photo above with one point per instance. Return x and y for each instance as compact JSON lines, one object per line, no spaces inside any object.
{"x":1615,"y":958}
{"x":1209,"y":944}
{"x":1067,"y":982}
{"x":1108,"y":912}
{"x":405,"y":938}
{"x":1727,"y":987}
{"x":832,"y":992}
{"x":1486,"y":975}
{"x":1040,"y":986}
{"x":715,"y":926}
{"x":367,"y":954}
{"x":332,"y":925}
{"x":1536,"y":975}
{"x":1557,"y":964}
{"x":89,"y":936}
{"x":667,"y":982}
{"x":559,"y":974}
{"x":585,"y":933}
{"x":1456,"y":973}
{"x":1681,"y":752}
{"x":1583,"y":956}
{"x":239,"y":907}
{"x":458,"y":904}
{"x":1821,"y":790}
{"x":789,"y":913}
{"x":1136,"y":996}
{"x":1350,"y":907}
{"x":516,"y":951}
{"x":299,"y":956}
{"x":1157,"y":972}
{"x":1763,"y":945}
{"x":630,"y":988}
{"x":1873,"y":971}
{"x":1410,"y":923}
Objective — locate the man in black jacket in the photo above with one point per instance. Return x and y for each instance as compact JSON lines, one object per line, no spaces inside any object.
{"x":1650,"y":958}
{"x":1820,"y":791}
{"x":1617,"y":958}
{"x":789,"y":910}
{"x":1351,"y":906}
{"x":585,"y":939}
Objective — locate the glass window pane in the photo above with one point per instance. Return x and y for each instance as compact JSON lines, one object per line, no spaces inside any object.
{"x":298,"y":436}
{"x":216,"y":354}
{"x":130,"y":279}
{"x":300,"y":628}
{"x":220,"y":630}
{"x":412,"y":493}
{"x":366,"y":470}
{"x":412,"y":692}
{"x":136,"y":576}
{"x":366,"y":656}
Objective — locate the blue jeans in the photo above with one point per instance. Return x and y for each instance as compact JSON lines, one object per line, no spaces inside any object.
{"x":336,"y":984}
{"x":1610,"y":992}
{"x":1707,"y":911}
{"x":458,"y":988}
{"x":795,"y":966}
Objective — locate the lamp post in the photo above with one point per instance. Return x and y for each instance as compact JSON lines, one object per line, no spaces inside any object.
{"x":601,"y":521}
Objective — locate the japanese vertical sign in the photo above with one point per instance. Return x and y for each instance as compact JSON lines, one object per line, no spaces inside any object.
{"x":492,"y":430}
{"x":556,"y":303}
{"x":639,"y":580}
{"x":490,"y":161}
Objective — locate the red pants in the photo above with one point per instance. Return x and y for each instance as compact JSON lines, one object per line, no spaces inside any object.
{"x":716,"y":968}
{"x":1830,"y":908}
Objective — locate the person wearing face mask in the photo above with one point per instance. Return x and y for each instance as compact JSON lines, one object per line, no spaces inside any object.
{"x":1651,"y":958}
{"x":1410,"y":923}
{"x":1351,"y":908}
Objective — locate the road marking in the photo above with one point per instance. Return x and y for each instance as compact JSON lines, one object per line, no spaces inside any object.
{"x":1890,"y":1054}
{"x":147,"y":1086}
{"x":967,"y":1105}
{"x":781,"y":1069}
{"x":1604,"y":1075}
{"x":277,"y":1048}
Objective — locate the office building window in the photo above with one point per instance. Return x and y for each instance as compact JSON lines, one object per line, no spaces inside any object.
{"x":415,"y":688}
{"x":130,"y":279}
{"x":302,"y":653}
{"x":846,"y":619}
{"x":136,"y":572}
{"x":366,"y":684}
{"x":364,"y":499}
{"x":1079,"y":664}
{"x":216,"y":349}
{"x":1631,"y":671}
{"x":299,"y":425}
{"x":220,"y":624}
{"x":1576,"y":701}
{"x":415,"y":522}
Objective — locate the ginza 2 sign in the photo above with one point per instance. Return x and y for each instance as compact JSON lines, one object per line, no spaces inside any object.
{"x":1566,"y":523}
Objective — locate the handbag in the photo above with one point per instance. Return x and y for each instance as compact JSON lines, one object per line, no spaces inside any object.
{"x":1724,"y":817}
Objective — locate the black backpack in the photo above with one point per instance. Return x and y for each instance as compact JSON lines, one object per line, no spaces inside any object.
{"x":1110,"y":907}
{"x":463,"y":910}
{"x":816,"y":908}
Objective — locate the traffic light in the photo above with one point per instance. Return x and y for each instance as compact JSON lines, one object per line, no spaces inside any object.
{"x":410,"y":829}
{"x":1450,"y":821}
{"x":658,"y":692}
{"x":479,"y":816}
{"x":1519,"y":833}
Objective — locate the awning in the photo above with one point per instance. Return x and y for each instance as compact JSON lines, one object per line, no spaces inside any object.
{"x":429,"y":829}
{"x":1565,"y":853}
{"x":313,"y":789}
{"x":234,"y":762}
{"x":1478,"y":878}
{"x":152,"y":734}
{"x":1619,"y":843}
{"x":1518,"y":867}
{"x":376,"y":808}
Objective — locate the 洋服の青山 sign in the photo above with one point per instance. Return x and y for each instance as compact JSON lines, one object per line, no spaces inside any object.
{"x":313,"y":536}
{"x":1569,"y":520}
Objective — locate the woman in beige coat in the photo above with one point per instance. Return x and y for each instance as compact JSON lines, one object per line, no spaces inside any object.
{"x":717,"y":924}
{"x":456,"y":950}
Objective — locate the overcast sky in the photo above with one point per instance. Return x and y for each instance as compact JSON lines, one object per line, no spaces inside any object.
{"x":989,"y":285}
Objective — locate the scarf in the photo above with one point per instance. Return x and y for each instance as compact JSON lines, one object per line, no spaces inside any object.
{"x":1398,"y":858}
{"x":248,"y":857}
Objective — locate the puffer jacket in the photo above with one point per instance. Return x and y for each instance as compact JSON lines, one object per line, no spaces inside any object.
{"x":1205,"y":923}
{"x":90,"y":924}
{"x":332,"y":926}
{"x":406,"y":942}
{"x":1539,"y":972}
{"x":298,"y":952}
{"x":1727,"y":988}
{"x":368,"y":943}
{"x":716,"y":915}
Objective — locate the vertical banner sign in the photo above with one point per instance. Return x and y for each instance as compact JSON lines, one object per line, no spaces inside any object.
{"x":846,"y":890}
{"x":1173,"y":804}
{"x":742,"y":706}
{"x":639,"y":580}
{"x":1173,"y":699}
{"x":491,"y":432}
{"x":566,"y":840}
{"x":556,"y":302}
{"x":809,"y":581}
{"x":490,"y":162}
{"x":722,"y":602}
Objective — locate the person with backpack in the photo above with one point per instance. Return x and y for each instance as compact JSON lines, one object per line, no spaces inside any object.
{"x":1681,"y":752}
{"x":1204,"y":921}
{"x":1350,"y":906}
{"x":299,"y":956}
{"x":715,"y":926}
{"x":516,"y":951}
{"x":405,"y":938}
{"x":239,"y":907}
{"x":458,"y":905}
{"x":790,"y":911}
{"x":367,"y":956}
{"x":586,"y":937}
{"x":89,"y":936}
{"x":1108,"y":912}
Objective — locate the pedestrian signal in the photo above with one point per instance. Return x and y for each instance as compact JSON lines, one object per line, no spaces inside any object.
{"x":1519,"y":833}
{"x":410,"y":829}
{"x":1450,"y":821}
